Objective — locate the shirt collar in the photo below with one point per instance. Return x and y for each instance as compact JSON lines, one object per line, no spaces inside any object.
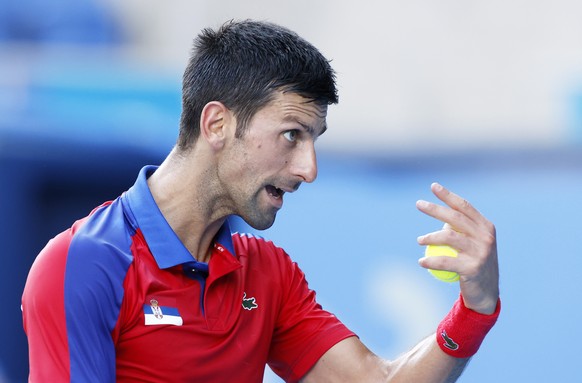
{"x":164,"y":244}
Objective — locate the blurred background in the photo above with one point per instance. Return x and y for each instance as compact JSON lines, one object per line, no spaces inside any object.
{"x":484,"y":97}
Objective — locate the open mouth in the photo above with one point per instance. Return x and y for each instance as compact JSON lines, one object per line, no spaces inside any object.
{"x":274,"y":191}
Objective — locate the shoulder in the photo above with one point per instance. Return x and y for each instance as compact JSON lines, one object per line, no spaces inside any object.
{"x":81,"y":271}
{"x":94,"y":252}
{"x":100,"y":246}
{"x":263,"y":257}
{"x":248,"y":242}
{"x":103,"y":238}
{"x":259,"y":249}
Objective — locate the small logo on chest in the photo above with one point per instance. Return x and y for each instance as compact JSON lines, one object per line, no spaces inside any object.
{"x":249,"y":303}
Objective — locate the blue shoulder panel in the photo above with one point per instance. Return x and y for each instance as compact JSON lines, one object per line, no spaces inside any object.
{"x":97,"y":263}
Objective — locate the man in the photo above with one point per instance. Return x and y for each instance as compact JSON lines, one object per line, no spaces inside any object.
{"x":154,"y":287}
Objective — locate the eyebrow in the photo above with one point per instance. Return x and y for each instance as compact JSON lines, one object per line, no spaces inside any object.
{"x":308,"y":128}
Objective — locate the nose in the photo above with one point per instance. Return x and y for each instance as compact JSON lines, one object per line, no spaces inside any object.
{"x":306,"y":163}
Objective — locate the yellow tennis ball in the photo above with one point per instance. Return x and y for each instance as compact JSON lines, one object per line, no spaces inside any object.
{"x":442,"y":251}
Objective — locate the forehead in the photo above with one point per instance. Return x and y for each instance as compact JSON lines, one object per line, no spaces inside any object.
{"x":291,"y":107}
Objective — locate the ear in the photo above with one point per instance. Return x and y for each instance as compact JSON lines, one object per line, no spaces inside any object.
{"x":216,"y":123}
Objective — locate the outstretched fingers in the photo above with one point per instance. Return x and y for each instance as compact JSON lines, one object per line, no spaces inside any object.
{"x":474,"y":237}
{"x":459,"y":214}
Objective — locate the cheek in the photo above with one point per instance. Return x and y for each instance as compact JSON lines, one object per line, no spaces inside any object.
{"x":258,"y":161}
{"x":264,"y":159}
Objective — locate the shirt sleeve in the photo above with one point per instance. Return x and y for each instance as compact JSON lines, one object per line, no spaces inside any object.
{"x":71,"y":303}
{"x":304,"y":331}
{"x":44,"y":314}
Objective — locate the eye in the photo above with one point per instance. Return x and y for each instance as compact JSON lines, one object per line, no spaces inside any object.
{"x":290,"y":135}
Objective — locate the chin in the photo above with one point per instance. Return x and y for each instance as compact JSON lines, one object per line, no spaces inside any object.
{"x":260,"y":222}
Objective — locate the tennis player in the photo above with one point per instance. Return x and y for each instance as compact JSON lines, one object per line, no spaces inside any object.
{"x":155,"y":287}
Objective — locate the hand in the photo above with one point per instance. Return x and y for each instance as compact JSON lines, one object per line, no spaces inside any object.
{"x":474,"y":237}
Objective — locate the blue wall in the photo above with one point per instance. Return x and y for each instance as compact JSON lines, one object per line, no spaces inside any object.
{"x":358,"y":224}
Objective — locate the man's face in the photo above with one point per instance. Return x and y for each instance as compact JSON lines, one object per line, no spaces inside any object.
{"x":274,"y":156}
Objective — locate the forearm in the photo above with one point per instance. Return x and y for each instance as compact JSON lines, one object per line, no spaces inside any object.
{"x":459,"y":336}
{"x":426,"y":363}
{"x":351,"y":361}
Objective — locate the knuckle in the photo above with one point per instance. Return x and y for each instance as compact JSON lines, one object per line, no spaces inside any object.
{"x":449,"y":235}
{"x":491,"y":228}
{"x":490,"y":236}
{"x":440,"y":263}
{"x":457,"y":216}
{"x":490,"y":241}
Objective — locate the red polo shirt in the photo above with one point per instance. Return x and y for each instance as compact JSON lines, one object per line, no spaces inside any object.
{"x":118,"y":297}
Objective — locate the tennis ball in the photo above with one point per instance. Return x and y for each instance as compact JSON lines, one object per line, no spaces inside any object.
{"x":442,"y":251}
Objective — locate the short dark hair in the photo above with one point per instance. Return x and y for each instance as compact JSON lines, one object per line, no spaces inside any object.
{"x":242,"y":64}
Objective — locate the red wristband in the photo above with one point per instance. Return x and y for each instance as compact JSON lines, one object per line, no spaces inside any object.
{"x":462,"y":331}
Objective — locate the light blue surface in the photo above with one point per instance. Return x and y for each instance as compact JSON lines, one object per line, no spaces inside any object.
{"x":354,"y":216}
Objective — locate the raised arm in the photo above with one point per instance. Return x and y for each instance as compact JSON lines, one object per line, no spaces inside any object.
{"x":442,"y":356}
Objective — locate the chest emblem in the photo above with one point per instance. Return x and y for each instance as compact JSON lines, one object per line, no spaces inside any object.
{"x":249,"y":303}
{"x":155,"y":314}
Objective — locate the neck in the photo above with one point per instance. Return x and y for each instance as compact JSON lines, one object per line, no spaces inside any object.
{"x":183,"y":192}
